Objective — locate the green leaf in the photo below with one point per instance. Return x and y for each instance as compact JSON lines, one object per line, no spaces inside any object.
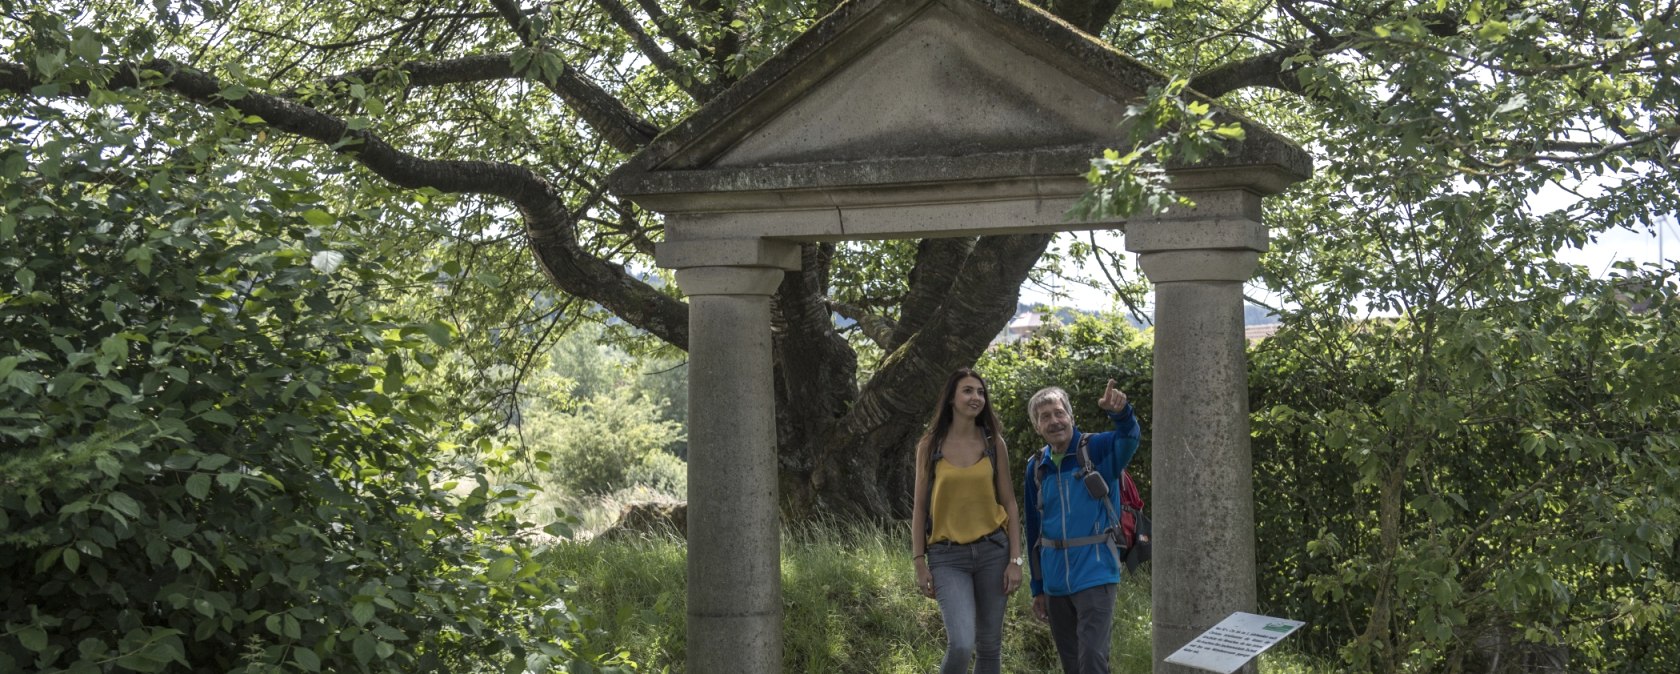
{"x":124,"y":504}
{"x":1517,"y":101}
{"x":327,"y":261}
{"x":33,"y":638}
{"x":213,"y":461}
{"x":439,"y":332}
{"x":362,"y":612}
{"x":219,"y":416}
{"x":1231,"y":131}
{"x":393,"y":375}
{"x":363,"y":647}
{"x":198,"y":485}
{"x":502,"y":568}
{"x":319,"y":218}
{"x":182,"y":557}
{"x":72,"y":559}
{"x":50,"y":62}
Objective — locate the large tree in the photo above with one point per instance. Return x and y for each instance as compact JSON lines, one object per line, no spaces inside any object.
{"x":503,"y":118}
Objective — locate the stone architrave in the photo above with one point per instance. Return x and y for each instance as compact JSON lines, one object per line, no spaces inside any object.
{"x":915,"y":118}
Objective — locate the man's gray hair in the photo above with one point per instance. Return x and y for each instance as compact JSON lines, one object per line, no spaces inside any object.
{"x":1045,"y":396}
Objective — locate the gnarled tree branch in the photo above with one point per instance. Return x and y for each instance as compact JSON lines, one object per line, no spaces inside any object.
{"x":481,"y":68}
{"x":615,"y":121}
{"x":550,"y":226}
{"x":937,"y":263}
{"x":668,"y":26}
{"x":699,"y":90}
{"x":879,"y":329}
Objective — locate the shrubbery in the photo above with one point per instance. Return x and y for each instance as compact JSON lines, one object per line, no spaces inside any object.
{"x":1502,"y":487}
{"x":612,"y":441}
{"x":212,"y":456}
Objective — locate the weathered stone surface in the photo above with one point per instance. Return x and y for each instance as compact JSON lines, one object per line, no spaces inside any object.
{"x":734,"y":526}
{"x":733,"y":252}
{"x":1202,"y":471}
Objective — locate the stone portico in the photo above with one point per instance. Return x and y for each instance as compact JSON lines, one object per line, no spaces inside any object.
{"x":918,"y":118}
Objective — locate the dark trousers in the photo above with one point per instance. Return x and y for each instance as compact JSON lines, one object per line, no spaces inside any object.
{"x":1081,"y":623}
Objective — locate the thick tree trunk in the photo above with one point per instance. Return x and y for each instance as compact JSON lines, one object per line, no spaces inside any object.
{"x":847,"y":451}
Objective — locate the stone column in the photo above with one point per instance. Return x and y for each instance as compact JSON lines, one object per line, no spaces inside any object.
{"x":1202,"y":497}
{"x":734,"y":529}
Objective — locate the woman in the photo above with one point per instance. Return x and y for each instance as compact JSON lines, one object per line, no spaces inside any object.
{"x":965,"y":539}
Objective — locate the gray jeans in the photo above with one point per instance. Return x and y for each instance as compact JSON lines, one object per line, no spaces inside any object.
{"x":968,"y":581}
{"x":1080,"y":624}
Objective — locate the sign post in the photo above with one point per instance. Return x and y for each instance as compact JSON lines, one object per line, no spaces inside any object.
{"x":1229,"y":645}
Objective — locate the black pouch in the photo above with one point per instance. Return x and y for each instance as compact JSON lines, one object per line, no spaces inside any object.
{"x":1096,"y":485}
{"x":1140,"y":550}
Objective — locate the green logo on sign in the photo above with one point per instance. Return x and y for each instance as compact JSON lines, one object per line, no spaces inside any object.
{"x":1278,"y":627}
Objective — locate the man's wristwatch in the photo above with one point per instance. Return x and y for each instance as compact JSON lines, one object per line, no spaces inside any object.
{"x":1020,"y":561}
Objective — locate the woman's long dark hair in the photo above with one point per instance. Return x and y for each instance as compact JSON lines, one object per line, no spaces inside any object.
{"x":942,"y":419}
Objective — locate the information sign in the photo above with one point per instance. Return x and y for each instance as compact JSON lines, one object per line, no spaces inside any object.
{"x":1233,"y":642}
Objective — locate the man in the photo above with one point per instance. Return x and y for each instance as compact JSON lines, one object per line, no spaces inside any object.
{"x":1075,"y":562}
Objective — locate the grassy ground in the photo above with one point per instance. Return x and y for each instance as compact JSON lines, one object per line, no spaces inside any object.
{"x":849,"y":606}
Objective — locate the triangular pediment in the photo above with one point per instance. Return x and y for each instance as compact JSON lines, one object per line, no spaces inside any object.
{"x":913,"y":92}
{"x":938,"y":85}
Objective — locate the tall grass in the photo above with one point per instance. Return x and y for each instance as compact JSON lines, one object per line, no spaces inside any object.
{"x":849,"y":605}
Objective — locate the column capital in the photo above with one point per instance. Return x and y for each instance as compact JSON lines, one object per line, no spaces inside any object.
{"x":1170,"y":266}
{"x":1210,"y":234}
{"x":1217,"y":249}
{"x":729,"y":280}
{"x":744,"y":252}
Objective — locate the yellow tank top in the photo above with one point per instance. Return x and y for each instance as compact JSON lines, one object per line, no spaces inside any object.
{"x":965,"y":506}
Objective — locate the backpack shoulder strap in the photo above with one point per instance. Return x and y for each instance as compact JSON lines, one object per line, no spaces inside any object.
{"x":991,"y":456}
{"x":935,"y":454}
{"x":1085,"y":452}
{"x":1091,"y":467}
{"x":1036,"y":464}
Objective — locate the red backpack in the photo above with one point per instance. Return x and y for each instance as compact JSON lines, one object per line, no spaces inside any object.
{"x":1134,"y":525}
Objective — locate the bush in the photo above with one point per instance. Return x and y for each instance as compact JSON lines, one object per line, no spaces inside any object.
{"x":613,"y":441}
{"x":211,"y":456}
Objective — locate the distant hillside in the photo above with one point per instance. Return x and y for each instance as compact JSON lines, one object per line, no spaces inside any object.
{"x":1253,"y":314}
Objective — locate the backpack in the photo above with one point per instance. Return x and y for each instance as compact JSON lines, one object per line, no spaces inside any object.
{"x":1129,"y":542}
{"x":1135,"y":527}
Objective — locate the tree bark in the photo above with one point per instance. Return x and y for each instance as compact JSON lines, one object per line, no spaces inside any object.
{"x":859,"y":464}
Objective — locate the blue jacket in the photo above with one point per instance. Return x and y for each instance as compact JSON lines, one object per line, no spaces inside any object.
{"x":1069,"y":512}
